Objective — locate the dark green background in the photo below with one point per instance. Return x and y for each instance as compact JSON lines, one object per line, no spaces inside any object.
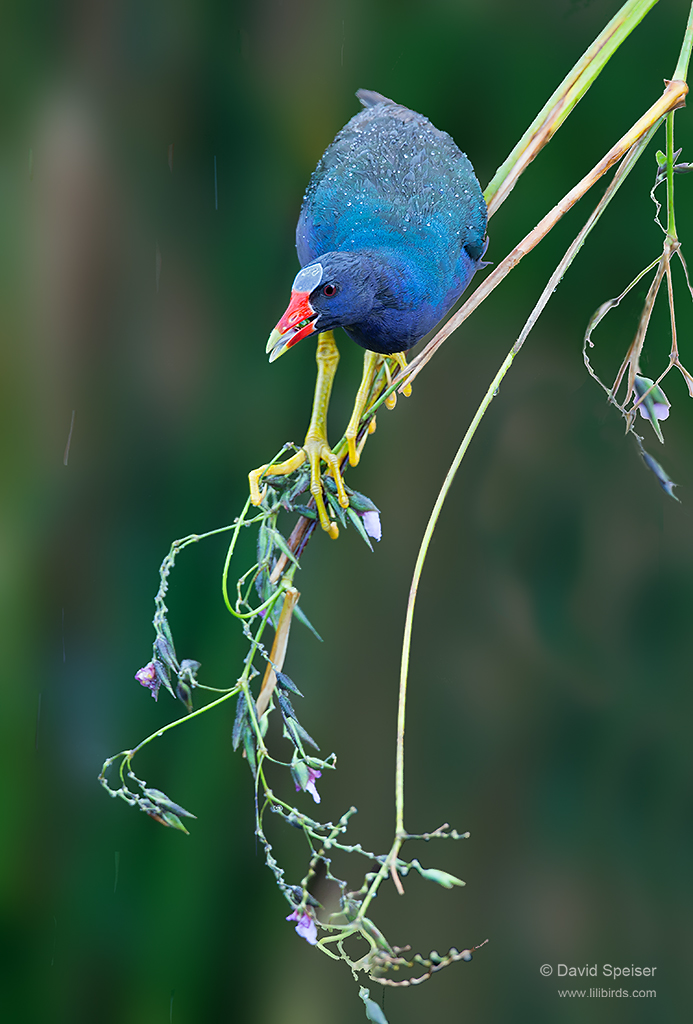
{"x":550,"y":704}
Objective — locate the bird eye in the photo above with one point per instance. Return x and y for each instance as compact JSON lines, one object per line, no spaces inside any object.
{"x":330,"y":289}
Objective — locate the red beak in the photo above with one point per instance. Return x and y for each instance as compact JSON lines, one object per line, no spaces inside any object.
{"x":298,"y":322}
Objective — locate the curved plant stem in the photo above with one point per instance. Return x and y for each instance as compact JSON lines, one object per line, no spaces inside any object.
{"x":634,"y":154}
{"x":421,"y":558}
{"x":186,"y":718}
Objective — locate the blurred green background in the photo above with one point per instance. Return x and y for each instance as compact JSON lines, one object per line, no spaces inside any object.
{"x":550,"y":700}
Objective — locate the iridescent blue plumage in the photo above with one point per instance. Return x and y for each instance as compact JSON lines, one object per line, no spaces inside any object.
{"x":392,"y":228}
{"x":396,"y":218}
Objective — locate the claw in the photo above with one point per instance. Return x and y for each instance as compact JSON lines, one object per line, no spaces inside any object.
{"x":256,"y":496}
{"x":401,"y":360}
{"x":277,"y":469}
{"x":391,"y":400}
{"x":354,"y":452}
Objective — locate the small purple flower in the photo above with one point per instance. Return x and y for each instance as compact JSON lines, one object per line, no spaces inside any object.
{"x":305,"y":780}
{"x":310,"y":785}
{"x":149,"y":677}
{"x":654,"y":401}
{"x":660,"y":410}
{"x":306,"y":926}
{"x":371,"y":524}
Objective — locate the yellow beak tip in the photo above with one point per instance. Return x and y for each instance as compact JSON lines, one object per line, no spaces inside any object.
{"x":272,"y":341}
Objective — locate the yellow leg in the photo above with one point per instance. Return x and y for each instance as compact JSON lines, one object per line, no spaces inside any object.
{"x":315,"y":447}
{"x":370,"y":363}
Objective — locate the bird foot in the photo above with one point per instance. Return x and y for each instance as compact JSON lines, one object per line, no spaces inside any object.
{"x":316,"y":450}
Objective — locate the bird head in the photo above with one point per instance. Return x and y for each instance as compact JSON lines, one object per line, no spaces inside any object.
{"x":336,"y":290}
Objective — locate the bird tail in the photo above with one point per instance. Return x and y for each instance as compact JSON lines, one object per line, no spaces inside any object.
{"x":372,"y":99}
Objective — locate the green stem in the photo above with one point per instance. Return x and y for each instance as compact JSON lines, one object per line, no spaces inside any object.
{"x":625,"y":168}
{"x":254,"y":612}
{"x":229,"y":556}
{"x":423,"y":551}
{"x":566,"y":97}
{"x":681,"y":72}
{"x":671,"y":222}
{"x":179,"y":721}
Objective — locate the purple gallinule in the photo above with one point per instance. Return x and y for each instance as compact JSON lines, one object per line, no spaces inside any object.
{"x":391,"y":231}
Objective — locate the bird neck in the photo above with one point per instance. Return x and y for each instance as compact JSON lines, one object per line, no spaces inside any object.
{"x":403,"y":309}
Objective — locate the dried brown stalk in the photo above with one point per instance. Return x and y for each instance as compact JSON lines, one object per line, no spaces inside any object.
{"x":673,"y":97}
{"x":278,"y":652}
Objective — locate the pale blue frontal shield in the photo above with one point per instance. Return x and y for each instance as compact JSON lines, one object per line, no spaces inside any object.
{"x":308,"y":278}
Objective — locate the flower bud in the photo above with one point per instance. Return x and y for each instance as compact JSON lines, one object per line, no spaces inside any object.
{"x":439,"y":877}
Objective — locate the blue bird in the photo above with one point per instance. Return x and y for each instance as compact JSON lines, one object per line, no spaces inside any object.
{"x":391,"y":231}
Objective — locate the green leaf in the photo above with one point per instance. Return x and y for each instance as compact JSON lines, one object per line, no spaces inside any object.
{"x":299,"y":770}
{"x":166,"y":630}
{"x":307,"y":513}
{"x":285,"y":705}
{"x":373,"y":1011}
{"x":295,"y":731}
{"x":264,"y":543}
{"x":334,"y":503}
{"x":358,"y":523}
{"x":360,"y":502}
{"x":286,"y":683}
{"x":165,"y":649}
{"x":663,"y":478}
{"x":163,"y":802}
{"x":249,"y":747}
{"x":303,"y":618}
{"x":241,"y":720}
{"x":301,"y":484}
{"x":163,"y":675}
{"x":173,"y":821}
{"x":184,"y":694}
{"x":281,"y":543}
{"x":305,"y":735}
